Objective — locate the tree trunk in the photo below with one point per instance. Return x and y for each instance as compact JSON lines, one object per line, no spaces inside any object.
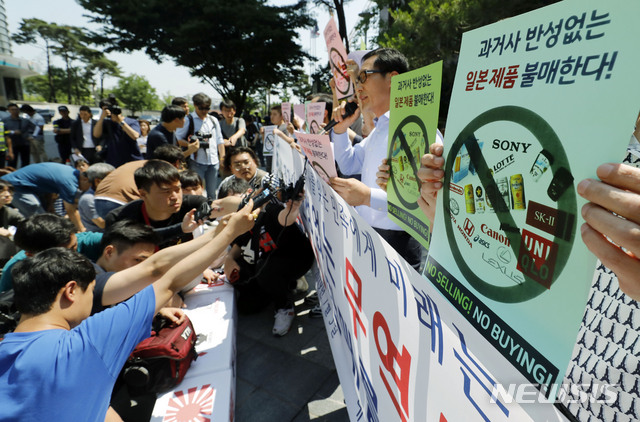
{"x":52,"y":91}
{"x":342,"y":22}
{"x":66,"y":60}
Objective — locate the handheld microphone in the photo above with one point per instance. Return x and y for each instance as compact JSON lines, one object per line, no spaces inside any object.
{"x":270,"y":185}
{"x":349,"y":109}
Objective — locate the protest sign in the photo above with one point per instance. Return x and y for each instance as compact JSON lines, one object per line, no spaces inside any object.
{"x":286,"y":112}
{"x":413,"y":123}
{"x":317,"y":149}
{"x":338,"y":60}
{"x":315,"y":116}
{"x":269,"y":140}
{"x":298,"y":110}
{"x":539,"y":101}
{"x":401,"y":350}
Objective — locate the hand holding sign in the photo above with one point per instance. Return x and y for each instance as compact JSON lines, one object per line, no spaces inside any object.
{"x":618,"y":193}
{"x":430,"y":174}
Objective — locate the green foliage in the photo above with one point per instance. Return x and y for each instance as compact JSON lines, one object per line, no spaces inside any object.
{"x":236,"y":47}
{"x":38,"y":86}
{"x":427,"y":31}
{"x":72,"y":45}
{"x":136,"y":93}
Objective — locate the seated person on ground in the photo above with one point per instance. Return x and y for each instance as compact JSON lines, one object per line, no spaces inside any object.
{"x":54,"y":293}
{"x":191,"y":183}
{"x":44,"y":231}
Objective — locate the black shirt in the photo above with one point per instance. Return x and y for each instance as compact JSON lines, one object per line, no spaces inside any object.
{"x":157,"y":137}
{"x":63,"y":138}
{"x":169,"y":230}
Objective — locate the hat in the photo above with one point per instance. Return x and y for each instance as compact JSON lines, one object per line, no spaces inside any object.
{"x":63,"y":108}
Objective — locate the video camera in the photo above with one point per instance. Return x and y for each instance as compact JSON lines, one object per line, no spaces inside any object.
{"x":202,"y":137}
{"x":274,"y":188}
{"x":115,"y":110}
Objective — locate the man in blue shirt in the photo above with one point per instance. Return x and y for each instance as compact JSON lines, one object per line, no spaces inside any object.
{"x":61,"y":364}
{"x":35,"y":180}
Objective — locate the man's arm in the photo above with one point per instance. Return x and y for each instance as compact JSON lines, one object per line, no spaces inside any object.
{"x":74,"y":215}
{"x":128,"y":130}
{"x":241,"y":131}
{"x":186,"y":270}
{"x":126,"y":283}
{"x":98,"y":127}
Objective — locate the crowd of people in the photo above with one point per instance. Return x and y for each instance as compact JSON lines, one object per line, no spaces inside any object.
{"x":128,"y":222}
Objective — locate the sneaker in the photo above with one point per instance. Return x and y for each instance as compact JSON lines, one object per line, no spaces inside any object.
{"x":312,"y":299}
{"x":284,"y":319}
{"x":315,"y":312}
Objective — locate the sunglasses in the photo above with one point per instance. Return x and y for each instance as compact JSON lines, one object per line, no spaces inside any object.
{"x":204,"y":108}
{"x":362,"y":76}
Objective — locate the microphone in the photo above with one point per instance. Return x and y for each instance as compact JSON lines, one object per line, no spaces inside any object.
{"x":349,"y":109}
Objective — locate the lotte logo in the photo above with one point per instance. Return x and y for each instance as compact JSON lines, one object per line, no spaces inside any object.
{"x":469,"y":228}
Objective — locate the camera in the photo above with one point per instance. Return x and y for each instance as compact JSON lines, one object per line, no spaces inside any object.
{"x":115,"y":110}
{"x":276,"y":189}
{"x":202,"y":137}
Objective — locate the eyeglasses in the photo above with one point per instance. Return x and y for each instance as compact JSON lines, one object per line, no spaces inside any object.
{"x":239,"y":165}
{"x":362,"y":76}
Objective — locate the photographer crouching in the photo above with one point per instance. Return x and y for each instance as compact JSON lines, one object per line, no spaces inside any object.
{"x":119,"y":134}
{"x":264,"y":263}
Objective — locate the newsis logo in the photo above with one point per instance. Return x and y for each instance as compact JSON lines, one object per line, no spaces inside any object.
{"x":565,"y":393}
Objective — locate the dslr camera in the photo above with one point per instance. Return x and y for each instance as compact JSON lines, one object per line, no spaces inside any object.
{"x":202,"y":137}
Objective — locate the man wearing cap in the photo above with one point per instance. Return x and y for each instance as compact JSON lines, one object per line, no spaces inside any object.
{"x":62,"y":129}
{"x":37,"y":137}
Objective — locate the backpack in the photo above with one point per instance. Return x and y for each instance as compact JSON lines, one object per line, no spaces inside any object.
{"x":160,"y":362}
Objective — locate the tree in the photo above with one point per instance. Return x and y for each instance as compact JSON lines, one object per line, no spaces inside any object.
{"x":38,"y":86}
{"x":427,"y":31}
{"x":135,"y":93}
{"x":338,"y":6}
{"x":236,"y":47}
{"x":104,"y":67}
{"x":28,"y":33}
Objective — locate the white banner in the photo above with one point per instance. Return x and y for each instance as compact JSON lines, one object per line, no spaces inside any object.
{"x":402,"y":352}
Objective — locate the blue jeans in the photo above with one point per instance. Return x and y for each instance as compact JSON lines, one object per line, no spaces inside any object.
{"x":27,"y":203}
{"x":209,"y":174}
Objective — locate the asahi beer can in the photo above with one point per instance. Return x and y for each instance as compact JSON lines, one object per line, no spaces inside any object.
{"x":503,"y":190}
{"x":479,"y":200}
{"x":517,"y":192}
{"x":469,"y":200}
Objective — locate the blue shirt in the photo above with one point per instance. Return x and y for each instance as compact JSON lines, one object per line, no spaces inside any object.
{"x":43,"y":178}
{"x":68,"y":375}
{"x":120,"y":147}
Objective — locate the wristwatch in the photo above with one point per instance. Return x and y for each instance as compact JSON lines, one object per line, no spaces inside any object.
{"x":122,"y":123}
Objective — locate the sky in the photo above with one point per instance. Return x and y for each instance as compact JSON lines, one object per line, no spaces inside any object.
{"x":165,"y":77}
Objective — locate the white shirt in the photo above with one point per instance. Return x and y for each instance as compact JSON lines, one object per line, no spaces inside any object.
{"x":38,"y":121}
{"x":365,"y":158}
{"x":209,"y":125}
{"x":86,"y":135}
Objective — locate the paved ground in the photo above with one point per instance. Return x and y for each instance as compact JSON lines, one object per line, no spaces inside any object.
{"x":290,"y":378}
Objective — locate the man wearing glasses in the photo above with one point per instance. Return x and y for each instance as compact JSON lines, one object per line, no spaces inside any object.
{"x":373,"y":89}
{"x":205,"y":129}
